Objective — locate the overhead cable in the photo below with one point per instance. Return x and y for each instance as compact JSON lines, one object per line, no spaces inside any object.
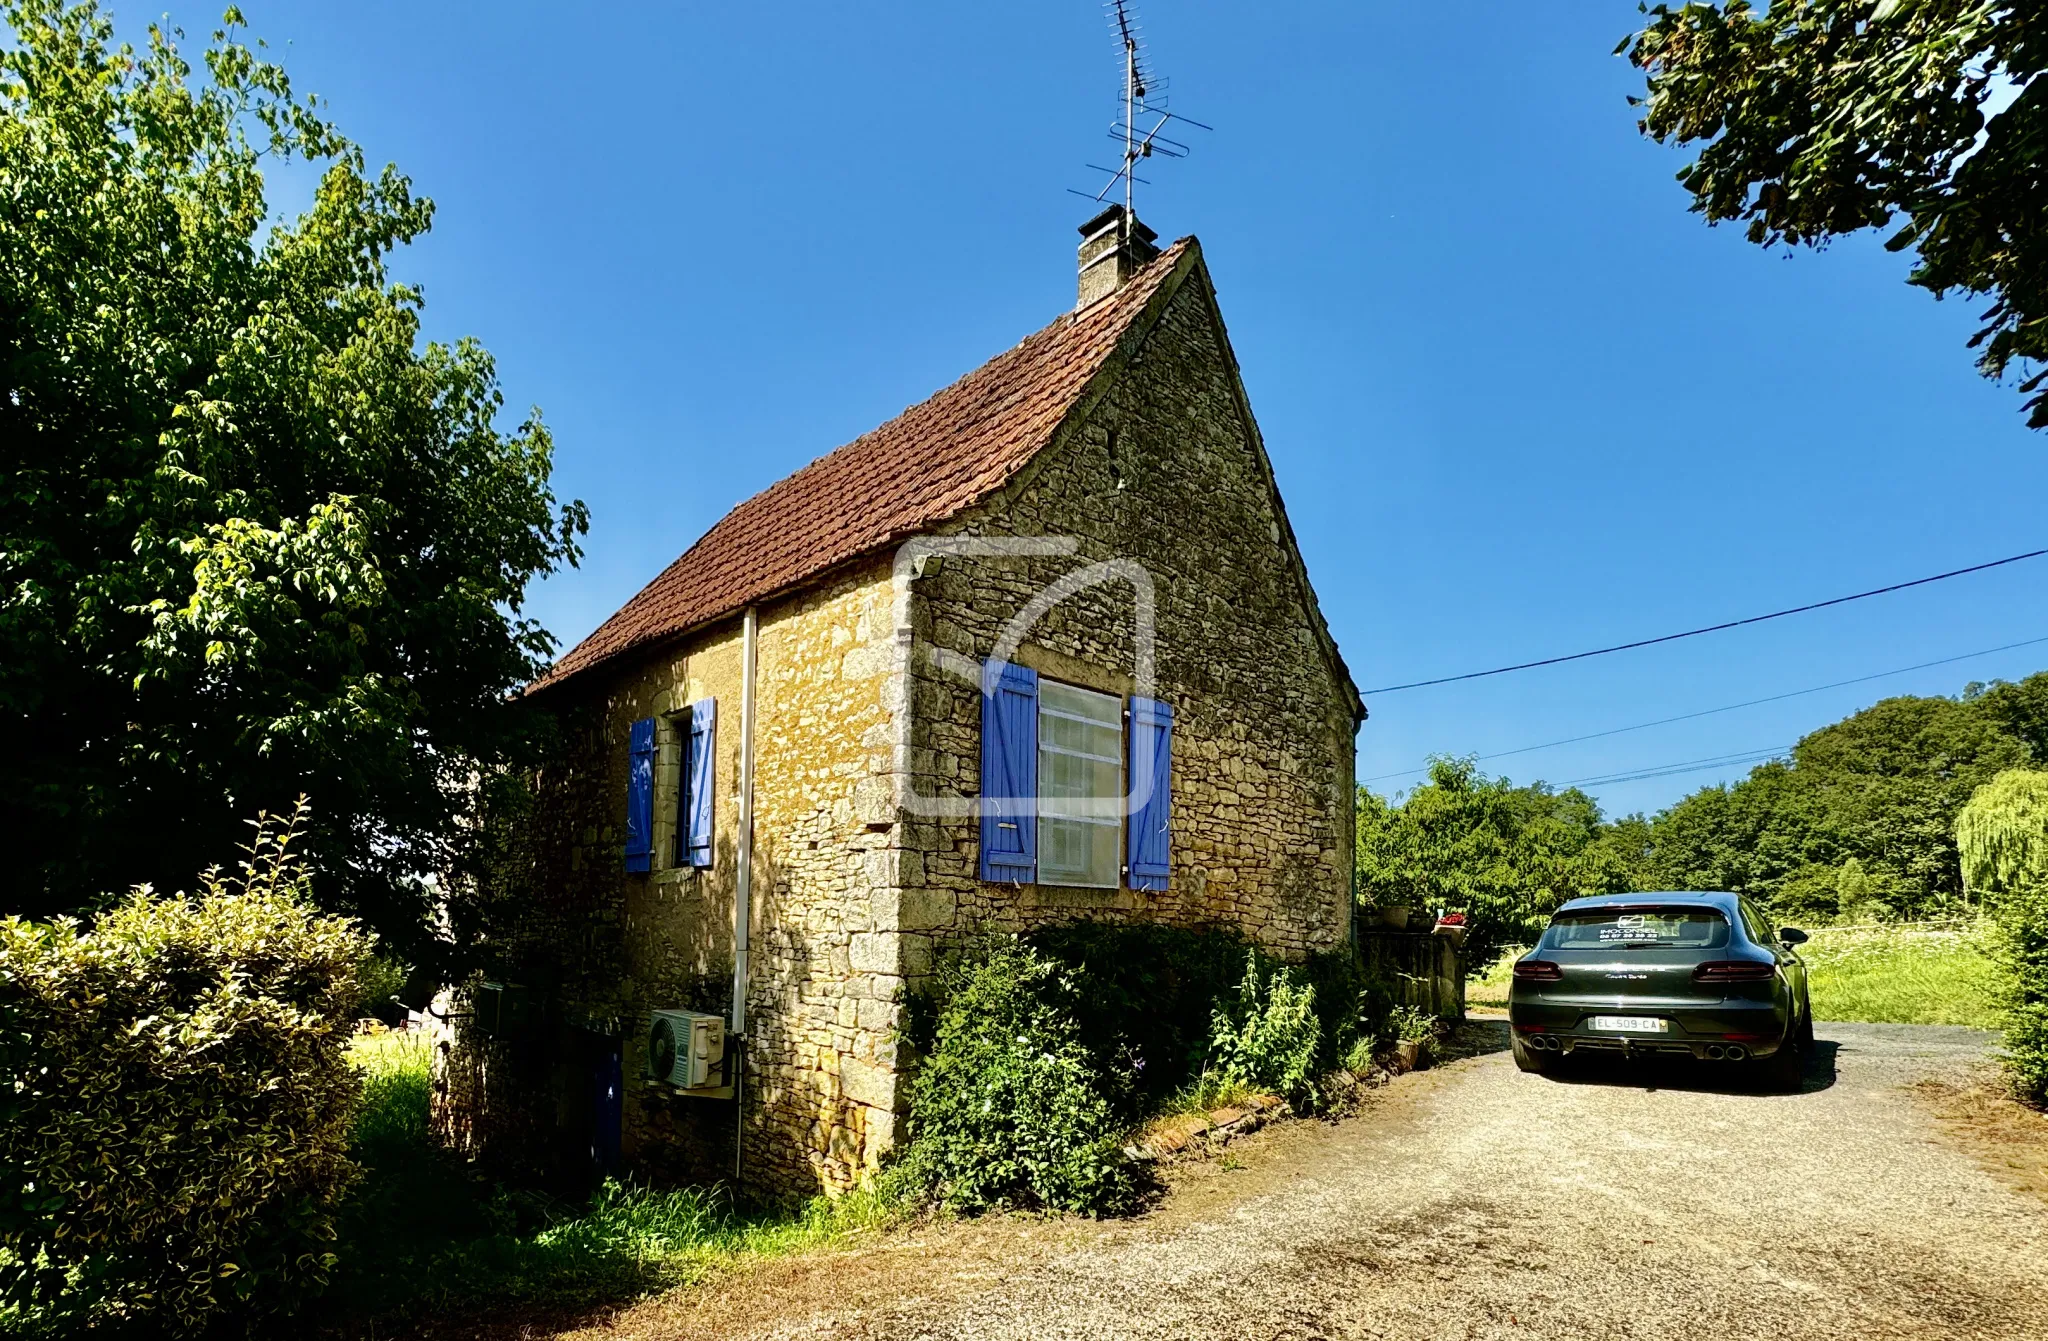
{"x":1709,"y":712}
{"x":1711,"y":628}
{"x":1687,"y":766}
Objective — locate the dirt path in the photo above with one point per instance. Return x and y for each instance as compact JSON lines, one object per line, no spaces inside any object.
{"x":1474,"y":1201}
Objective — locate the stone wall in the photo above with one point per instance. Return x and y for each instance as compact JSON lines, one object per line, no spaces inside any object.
{"x":1166,"y":470}
{"x":605,"y":947}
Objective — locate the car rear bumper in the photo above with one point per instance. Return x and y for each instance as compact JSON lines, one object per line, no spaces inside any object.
{"x":1709,"y":1031}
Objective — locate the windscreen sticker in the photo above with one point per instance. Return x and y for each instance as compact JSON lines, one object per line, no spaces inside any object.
{"x":1630,"y":927}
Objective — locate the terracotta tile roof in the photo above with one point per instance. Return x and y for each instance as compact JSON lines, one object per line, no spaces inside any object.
{"x":928,"y":463}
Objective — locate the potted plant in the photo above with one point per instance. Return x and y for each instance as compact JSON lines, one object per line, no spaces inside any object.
{"x":1413,"y":1029}
{"x":1451,"y":926}
{"x":1394,"y":918}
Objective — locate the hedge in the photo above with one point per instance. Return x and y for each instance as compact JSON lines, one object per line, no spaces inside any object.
{"x":175,"y":1103}
{"x":1040,"y":1052}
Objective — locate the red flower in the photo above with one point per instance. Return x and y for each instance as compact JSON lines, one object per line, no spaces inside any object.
{"x":1451,"y":920}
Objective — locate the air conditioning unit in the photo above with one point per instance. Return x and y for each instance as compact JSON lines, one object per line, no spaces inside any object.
{"x":685,"y":1047}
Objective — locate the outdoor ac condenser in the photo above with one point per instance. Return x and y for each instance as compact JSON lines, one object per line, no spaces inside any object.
{"x":684,"y":1047}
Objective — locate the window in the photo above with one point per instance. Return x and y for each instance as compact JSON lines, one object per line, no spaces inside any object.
{"x":1080,"y":786}
{"x":1685,"y":928}
{"x":693,"y":734}
{"x":1055,"y":764}
{"x":1760,"y":933}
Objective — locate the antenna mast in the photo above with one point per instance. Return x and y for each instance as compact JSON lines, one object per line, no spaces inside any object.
{"x":1133,"y":91}
{"x":1144,"y":96}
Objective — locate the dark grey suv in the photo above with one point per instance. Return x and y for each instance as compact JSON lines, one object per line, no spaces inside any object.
{"x":1702,"y":975}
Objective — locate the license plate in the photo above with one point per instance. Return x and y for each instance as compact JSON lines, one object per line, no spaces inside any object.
{"x":1630,"y":1024}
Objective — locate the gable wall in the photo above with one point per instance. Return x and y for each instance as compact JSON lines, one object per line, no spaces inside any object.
{"x":1163,"y":471}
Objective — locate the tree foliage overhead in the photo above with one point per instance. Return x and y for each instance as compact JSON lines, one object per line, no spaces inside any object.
{"x":257,"y":538}
{"x":1819,"y":118}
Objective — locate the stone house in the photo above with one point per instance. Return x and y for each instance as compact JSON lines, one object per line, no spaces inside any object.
{"x":1040,"y":648}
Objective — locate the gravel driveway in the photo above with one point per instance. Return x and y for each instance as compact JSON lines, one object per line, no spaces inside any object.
{"x":1475,"y":1201}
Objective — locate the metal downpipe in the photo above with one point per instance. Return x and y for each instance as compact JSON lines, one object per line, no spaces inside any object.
{"x":743,"y":884}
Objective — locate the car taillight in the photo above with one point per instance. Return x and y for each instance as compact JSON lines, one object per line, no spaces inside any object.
{"x":1537,"y":970}
{"x":1734,"y":970}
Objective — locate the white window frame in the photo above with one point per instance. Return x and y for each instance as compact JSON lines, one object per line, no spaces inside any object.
{"x":1103,"y":811}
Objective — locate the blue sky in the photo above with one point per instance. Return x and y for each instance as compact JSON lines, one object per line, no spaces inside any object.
{"x":1519,"y":401}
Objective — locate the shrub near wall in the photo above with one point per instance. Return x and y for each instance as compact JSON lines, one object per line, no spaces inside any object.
{"x":175,"y":1103}
{"x":1008,"y":1109}
{"x":1041,"y":1052}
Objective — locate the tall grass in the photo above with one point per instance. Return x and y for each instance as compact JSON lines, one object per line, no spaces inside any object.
{"x":424,"y":1233}
{"x":1902,"y":973}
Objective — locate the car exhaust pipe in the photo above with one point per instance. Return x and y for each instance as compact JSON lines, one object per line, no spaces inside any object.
{"x":1736,"y":1052}
{"x":1715,"y":1052}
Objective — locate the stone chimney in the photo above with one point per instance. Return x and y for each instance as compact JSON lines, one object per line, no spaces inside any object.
{"x":1111,"y":253}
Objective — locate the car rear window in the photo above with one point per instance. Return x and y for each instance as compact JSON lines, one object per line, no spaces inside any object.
{"x":1611,"y":928}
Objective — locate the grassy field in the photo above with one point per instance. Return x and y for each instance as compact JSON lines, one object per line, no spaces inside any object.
{"x":424,"y":1234}
{"x":1908,"y":973}
{"x":1487,"y":989}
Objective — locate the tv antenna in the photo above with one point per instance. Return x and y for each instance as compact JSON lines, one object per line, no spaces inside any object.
{"x":1144,"y":100}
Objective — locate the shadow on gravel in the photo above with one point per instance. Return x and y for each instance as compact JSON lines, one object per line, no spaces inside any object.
{"x":1672,"y":1073}
{"x":1474,"y":1037}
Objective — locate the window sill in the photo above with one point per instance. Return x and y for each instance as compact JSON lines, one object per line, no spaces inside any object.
{"x":673,"y":875}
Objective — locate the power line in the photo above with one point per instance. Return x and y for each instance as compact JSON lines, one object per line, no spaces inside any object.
{"x":1709,"y":712}
{"x":1688,"y":766}
{"x":1711,"y":628}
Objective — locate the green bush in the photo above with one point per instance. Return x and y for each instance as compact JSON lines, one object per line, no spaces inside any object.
{"x":2002,"y":836}
{"x":1352,"y":1005}
{"x":1146,"y":998}
{"x":1269,"y":1036}
{"x":175,"y":1102}
{"x":2019,"y":947}
{"x":1042,"y":1050}
{"x":1144,"y":994}
{"x":1411,"y":1024}
{"x":1008,"y":1108}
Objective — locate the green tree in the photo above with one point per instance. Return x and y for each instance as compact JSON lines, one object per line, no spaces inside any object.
{"x":1820,"y":118}
{"x":2003,"y":834}
{"x":257,"y":538}
{"x":1503,"y":855}
{"x":1881,"y":788}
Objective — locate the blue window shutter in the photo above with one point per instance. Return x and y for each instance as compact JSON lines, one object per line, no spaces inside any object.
{"x":1151,"y":746}
{"x":700,"y":793}
{"x":1009,"y":773}
{"x":640,"y":795}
